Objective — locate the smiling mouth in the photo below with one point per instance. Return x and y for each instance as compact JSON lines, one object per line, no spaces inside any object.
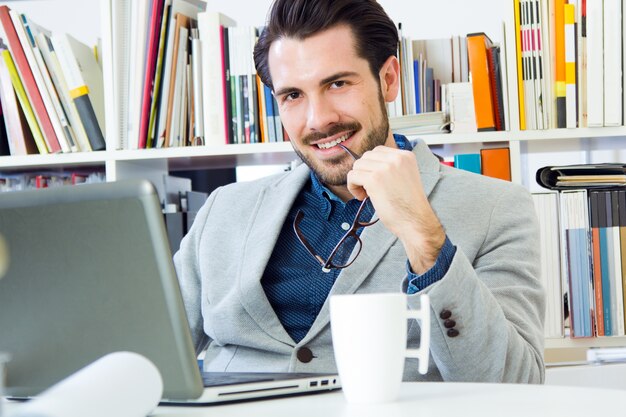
{"x":328,"y":145}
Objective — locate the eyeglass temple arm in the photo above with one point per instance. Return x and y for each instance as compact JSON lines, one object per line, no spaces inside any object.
{"x":352,"y":154}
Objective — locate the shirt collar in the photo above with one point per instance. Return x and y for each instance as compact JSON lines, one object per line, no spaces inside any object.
{"x":324,"y":194}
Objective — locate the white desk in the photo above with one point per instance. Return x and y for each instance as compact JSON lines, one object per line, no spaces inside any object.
{"x":433,"y":400}
{"x":429,"y":400}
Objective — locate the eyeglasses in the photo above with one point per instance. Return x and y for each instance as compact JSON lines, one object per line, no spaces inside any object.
{"x":349,"y":246}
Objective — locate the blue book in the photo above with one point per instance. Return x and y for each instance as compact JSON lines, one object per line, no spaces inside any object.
{"x":468,"y":161}
{"x":416,"y":72}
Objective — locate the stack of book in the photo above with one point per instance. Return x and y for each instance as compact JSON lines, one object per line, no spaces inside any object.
{"x":51,"y":90}
{"x":583,"y":229}
{"x":183,"y":76}
{"x":48,"y":179}
{"x":570,"y":63}
{"x":452,"y":75}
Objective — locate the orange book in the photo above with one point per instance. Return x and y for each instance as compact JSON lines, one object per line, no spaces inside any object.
{"x":496,"y":163}
{"x":477,"y":46}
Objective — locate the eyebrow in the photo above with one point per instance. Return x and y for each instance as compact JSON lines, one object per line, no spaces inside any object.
{"x":324,"y":81}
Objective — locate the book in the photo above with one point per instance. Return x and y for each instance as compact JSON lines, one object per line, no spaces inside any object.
{"x":138,"y":26}
{"x":495,"y":81}
{"x":496,"y":163}
{"x":576,"y":250}
{"x":622,"y":235}
{"x":18,"y":135}
{"x":594,"y":220}
{"x":604,"y":239}
{"x":148,"y":84}
{"x":42,"y":79}
{"x":181,"y":27}
{"x":571,"y":99}
{"x":612,"y":48}
{"x":159,"y":93}
{"x":595,"y":65}
{"x":468,"y":162}
{"x":25,"y":103}
{"x":547,"y":208}
{"x":58,"y":79}
{"x":519,"y":61}
{"x":616,"y":267}
{"x":477,"y":46}
{"x":420,"y":123}
{"x":84,"y":80}
{"x":582,"y":176}
{"x":560,"y":82}
{"x":460,"y":99}
{"x":28,"y":81}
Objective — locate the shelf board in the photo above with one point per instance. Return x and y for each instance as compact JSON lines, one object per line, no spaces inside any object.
{"x":220,"y":156}
{"x":526,"y":135}
{"x":565,"y":350}
{"x":215,"y":156}
{"x":52,"y":161}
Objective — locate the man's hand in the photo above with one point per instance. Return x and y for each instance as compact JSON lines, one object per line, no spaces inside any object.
{"x":391,"y":178}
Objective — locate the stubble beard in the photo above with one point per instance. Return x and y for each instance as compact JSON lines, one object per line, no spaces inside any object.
{"x":334,"y":172}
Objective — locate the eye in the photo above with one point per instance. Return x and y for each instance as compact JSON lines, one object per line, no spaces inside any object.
{"x":291,"y":96}
{"x":338,"y":84}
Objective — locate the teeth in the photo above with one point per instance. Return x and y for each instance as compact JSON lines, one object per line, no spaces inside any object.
{"x":335,"y":142}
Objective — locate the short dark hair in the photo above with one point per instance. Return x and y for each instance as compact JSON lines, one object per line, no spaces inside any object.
{"x":375,"y":33}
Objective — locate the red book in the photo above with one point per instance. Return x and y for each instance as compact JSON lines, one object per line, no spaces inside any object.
{"x":15,"y":47}
{"x":148,"y":83}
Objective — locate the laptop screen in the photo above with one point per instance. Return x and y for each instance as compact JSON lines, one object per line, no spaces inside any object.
{"x":90,"y":273}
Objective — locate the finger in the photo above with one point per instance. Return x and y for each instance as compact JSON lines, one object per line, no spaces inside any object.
{"x":356,"y":184}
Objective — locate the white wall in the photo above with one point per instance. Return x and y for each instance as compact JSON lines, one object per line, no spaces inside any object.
{"x":79,"y":18}
{"x":420,"y":18}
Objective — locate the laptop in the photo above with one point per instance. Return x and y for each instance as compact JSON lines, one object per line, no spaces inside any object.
{"x":91,"y":273}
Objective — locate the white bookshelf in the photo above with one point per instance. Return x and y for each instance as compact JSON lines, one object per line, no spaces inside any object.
{"x":528,"y":148}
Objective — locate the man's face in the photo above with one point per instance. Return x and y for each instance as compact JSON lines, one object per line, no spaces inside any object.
{"x":327,"y":95}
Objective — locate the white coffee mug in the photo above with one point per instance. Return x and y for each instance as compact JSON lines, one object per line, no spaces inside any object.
{"x":369,"y":339}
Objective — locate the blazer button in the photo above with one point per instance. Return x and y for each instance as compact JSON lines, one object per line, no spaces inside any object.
{"x":448,"y":324}
{"x":453,"y":332}
{"x":445,"y":314}
{"x":304,"y":355}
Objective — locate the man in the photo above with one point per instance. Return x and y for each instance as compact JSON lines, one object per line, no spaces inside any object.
{"x":260,"y":262}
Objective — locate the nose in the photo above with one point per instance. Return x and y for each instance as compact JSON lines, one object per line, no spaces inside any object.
{"x":321,"y":114}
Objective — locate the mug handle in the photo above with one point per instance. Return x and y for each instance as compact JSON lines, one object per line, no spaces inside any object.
{"x":423,"y":315}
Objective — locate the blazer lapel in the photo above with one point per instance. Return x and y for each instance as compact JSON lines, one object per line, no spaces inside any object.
{"x":269,"y":214}
{"x":376,"y":242}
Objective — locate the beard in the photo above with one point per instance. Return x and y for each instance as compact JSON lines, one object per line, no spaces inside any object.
{"x":334,"y":172}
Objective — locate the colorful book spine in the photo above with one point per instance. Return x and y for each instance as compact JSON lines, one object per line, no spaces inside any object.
{"x":28,"y":81}
{"x":560,"y":85}
{"x":571,"y":107}
{"x":518,"y":53}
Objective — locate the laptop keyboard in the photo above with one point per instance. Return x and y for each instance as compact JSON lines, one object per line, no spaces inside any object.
{"x":212,"y":379}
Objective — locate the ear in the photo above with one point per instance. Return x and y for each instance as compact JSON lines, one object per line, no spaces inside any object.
{"x":389,"y":76}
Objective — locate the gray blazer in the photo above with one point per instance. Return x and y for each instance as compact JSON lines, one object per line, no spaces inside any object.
{"x":492,"y":287}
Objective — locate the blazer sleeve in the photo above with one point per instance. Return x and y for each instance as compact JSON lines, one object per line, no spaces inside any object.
{"x":187,"y":265}
{"x":496,"y":301}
